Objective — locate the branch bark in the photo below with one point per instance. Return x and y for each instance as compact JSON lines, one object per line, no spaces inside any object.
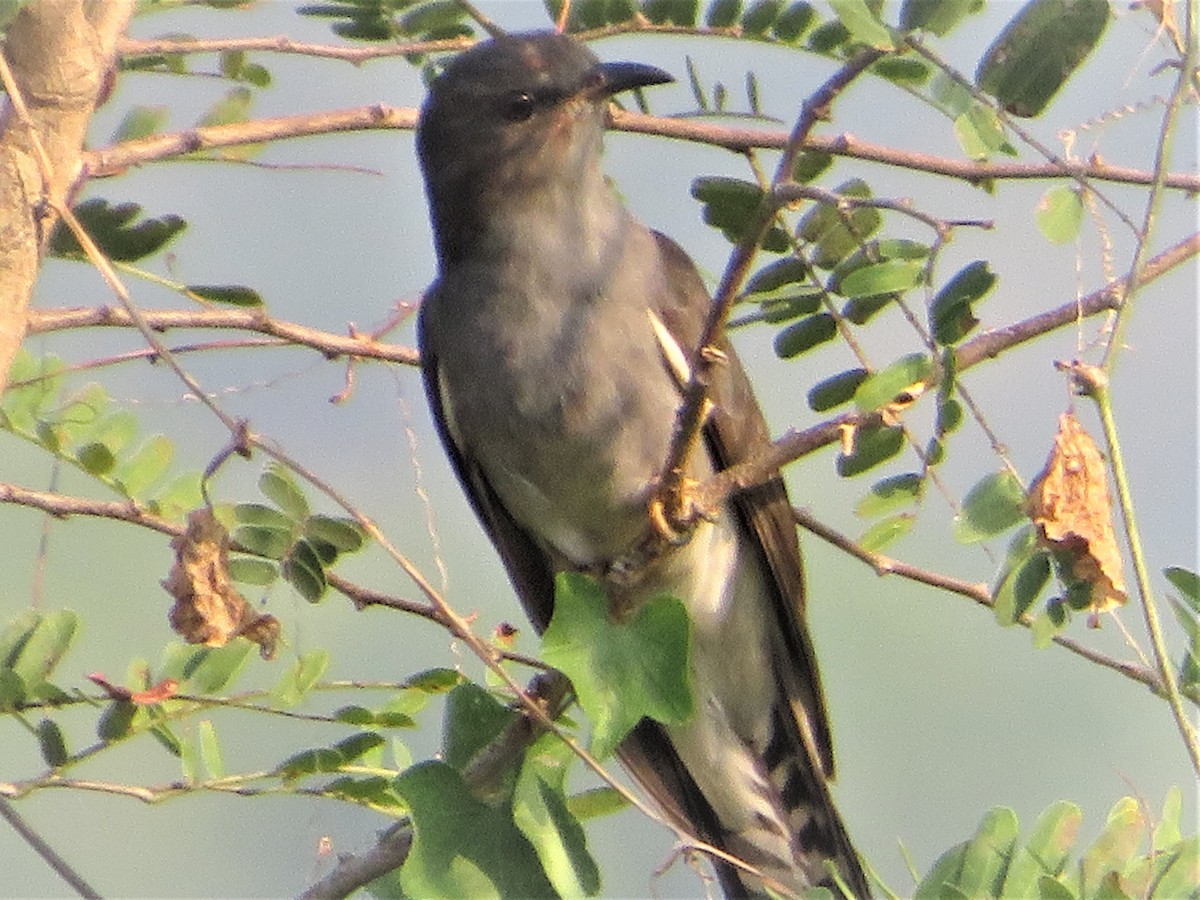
{"x":56,"y":61}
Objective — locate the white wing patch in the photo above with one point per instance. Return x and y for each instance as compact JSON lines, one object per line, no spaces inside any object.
{"x":673,"y":356}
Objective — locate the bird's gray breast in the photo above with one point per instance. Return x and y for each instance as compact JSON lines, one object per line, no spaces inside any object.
{"x":557,"y":389}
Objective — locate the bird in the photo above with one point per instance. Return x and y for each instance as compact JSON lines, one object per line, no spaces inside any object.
{"x":551,"y":344}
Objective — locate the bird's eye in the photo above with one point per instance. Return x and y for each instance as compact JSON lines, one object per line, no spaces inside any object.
{"x":518,"y":106}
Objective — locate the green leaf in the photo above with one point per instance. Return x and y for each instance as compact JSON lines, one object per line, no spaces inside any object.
{"x":96,"y":459}
{"x":373,"y":791}
{"x":462,"y":847}
{"x":303,"y":570}
{"x":890,"y":494}
{"x":951,"y":316}
{"x":272,"y":543}
{"x":473,"y":719}
{"x":730,"y":204}
{"x":794,"y":22}
{"x":828,"y":37}
{"x":263,"y":516}
{"x":542,"y":813}
{"x":872,"y":446}
{"x":782,"y":272}
{"x":723,"y":13}
{"x":231,"y":294}
{"x":811,"y":164}
{"x":44,"y":647}
{"x":434,"y":681}
{"x":892,"y":276}
{"x":596,"y":802}
{"x":902,"y":70}
{"x":428,"y":17}
{"x":1116,"y":845}
{"x":218,"y":666}
{"x":835,"y":233}
{"x":114,"y":232}
{"x":988,"y":853}
{"x":1053,"y":889}
{"x":146,"y":466}
{"x":297,"y":681}
{"x":33,"y":386}
{"x":16,"y":635}
{"x":358,"y":715}
{"x":864,"y":26}
{"x":886,"y":532}
{"x":167,"y":739}
{"x":178,"y":496}
{"x":994,"y":505}
{"x":12,"y":690}
{"x":324,"y":760}
{"x":116,"y":720}
{"x":1187,"y":583}
{"x":949,"y":415}
{"x":210,"y":749}
{"x":1049,"y":622}
{"x":835,"y":390}
{"x":939,"y":883}
{"x":804,"y":335}
{"x":1046,"y":851}
{"x":51,"y":743}
{"x":1059,"y":215}
{"x":279,"y":486}
{"x":1039,"y":50}
{"x":1021,"y":588}
{"x":343,"y":533}
{"x":1182,"y":874}
{"x":140,"y":122}
{"x":937,"y":16}
{"x":890,"y":384}
{"x":760,"y":16}
{"x":232,"y":108}
{"x":250,"y":570}
{"x":231,"y":62}
{"x":621,"y":671}
{"x":1166,"y":832}
{"x":980,"y":132}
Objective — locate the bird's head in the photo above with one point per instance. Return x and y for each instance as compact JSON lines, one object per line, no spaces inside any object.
{"x":514,"y":117}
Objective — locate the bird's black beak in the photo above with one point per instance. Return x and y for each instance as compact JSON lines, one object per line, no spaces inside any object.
{"x":612,"y":78}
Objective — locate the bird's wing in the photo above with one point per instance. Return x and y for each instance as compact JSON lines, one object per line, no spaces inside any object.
{"x":734,"y":430}
{"x":799,"y":755}
{"x":647,"y":753}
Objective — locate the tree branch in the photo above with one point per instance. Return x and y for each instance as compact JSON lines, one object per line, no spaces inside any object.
{"x":283,"y":44}
{"x":361,"y":346}
{"x":980,"y":593}
{"x":54,"y":65}
{"x":114,"y":159}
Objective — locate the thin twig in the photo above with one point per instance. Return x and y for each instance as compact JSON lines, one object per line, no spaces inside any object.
{"x":1098,"y":390}
{"x":885,"y":565}
{"x":45,"y":851}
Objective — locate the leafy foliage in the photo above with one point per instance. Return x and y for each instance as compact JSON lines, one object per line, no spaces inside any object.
{"x":993,"y":863}
{"x":303,"y":545}
{"x":625,"y":670}
{"x":83,"y":430}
